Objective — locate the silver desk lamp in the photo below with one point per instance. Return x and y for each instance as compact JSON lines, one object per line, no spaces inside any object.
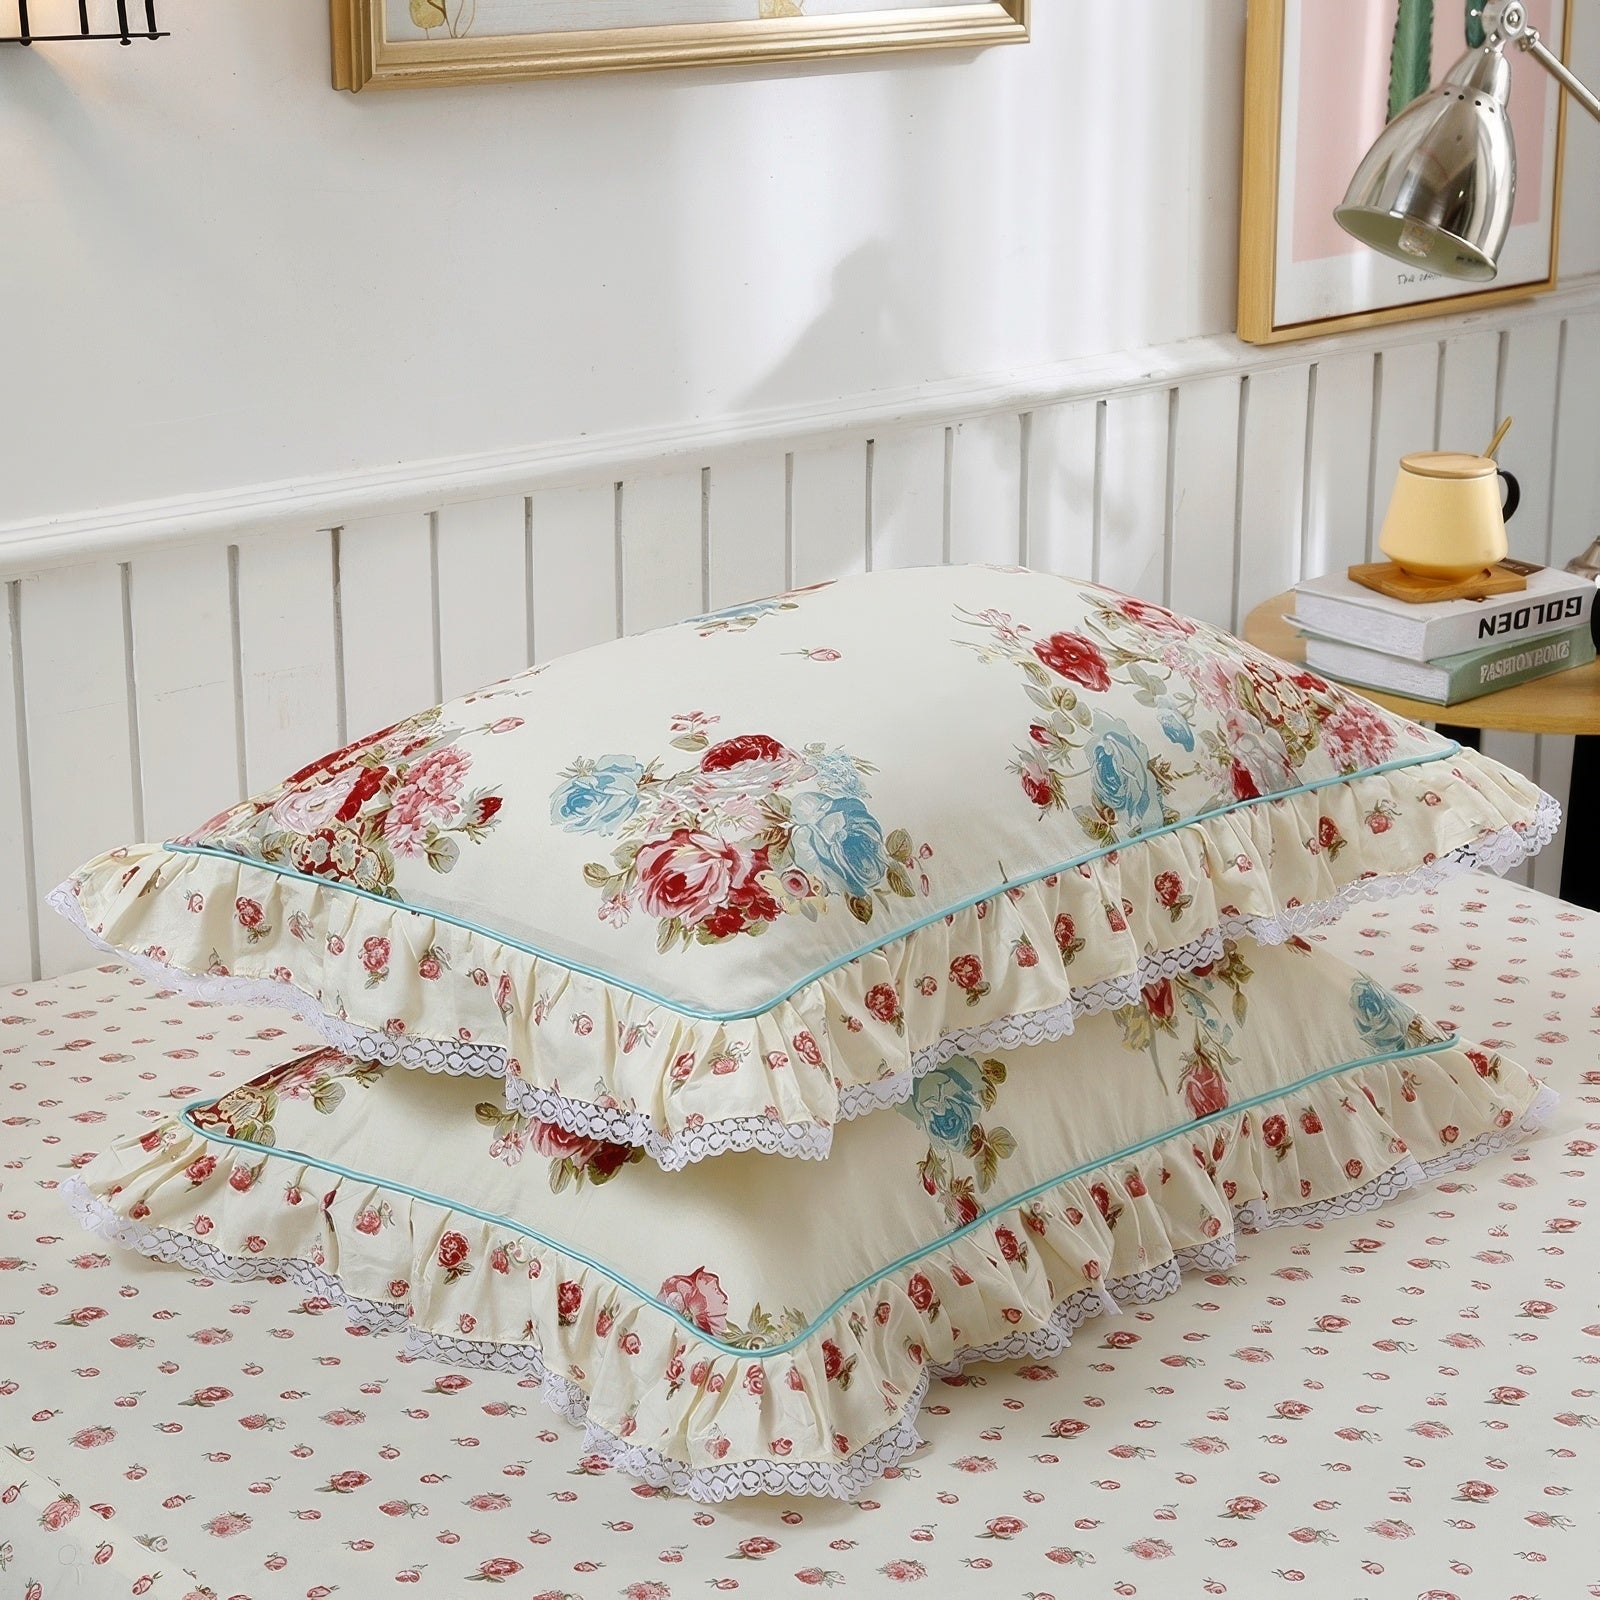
{"x":1436,"y":189}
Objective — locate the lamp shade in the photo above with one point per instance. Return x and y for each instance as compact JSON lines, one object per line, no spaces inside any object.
{"x":1436,"y":189}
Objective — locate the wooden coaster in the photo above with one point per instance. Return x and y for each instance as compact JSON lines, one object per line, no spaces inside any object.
{"x":1393,"y":580}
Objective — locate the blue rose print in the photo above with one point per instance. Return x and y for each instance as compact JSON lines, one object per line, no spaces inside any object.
{"x":1120,"y":772}
{"x":947,"y":1101}
{"x":599,"y":798}
{"x":1382,"y":1020}
{"x":838,"y":840}
{"x":1175,"y":725}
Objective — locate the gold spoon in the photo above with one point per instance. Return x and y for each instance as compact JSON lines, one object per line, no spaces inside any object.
{"x":1499,"y":434}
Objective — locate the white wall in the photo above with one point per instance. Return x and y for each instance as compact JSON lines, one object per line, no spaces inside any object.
{"x":215,"y":271}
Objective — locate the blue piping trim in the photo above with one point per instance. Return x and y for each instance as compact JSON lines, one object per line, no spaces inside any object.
{"x":494,"y":1219}
{"x":821,"y":972}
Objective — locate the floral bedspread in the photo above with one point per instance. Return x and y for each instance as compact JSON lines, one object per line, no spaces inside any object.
{"x":1398,"y":1404}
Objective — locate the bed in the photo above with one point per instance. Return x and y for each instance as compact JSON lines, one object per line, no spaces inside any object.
{"x":1397,"y":1403}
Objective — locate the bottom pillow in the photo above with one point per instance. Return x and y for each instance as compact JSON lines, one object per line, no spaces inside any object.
{"x":755,"y":1325}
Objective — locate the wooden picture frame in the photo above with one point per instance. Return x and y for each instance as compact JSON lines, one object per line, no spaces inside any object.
{"x":1299,"y":276}
{"x":378,"y":44}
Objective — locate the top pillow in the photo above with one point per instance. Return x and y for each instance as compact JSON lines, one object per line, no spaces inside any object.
{"x":718,"y":886}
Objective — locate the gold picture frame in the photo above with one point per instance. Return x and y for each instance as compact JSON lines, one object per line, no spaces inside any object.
{"x":1284,"y":296}
{"x":365,"y":55}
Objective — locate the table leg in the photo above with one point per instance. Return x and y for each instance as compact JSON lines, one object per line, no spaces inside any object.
{"x":1468,"y":738}
{"x":1580,"y":865}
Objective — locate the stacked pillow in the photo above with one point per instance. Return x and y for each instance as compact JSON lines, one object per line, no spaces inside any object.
{"x":1016,"y":855}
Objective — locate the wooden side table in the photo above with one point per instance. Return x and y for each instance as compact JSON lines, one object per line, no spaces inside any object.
{"x":1565,"y":702}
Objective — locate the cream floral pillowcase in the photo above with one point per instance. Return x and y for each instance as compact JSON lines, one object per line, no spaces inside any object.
{"x":725,"y":885}
{"x":714,"y":1346}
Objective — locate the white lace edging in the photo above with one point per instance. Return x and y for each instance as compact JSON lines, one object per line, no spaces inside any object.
{"x":1496,"y":852}
{"x":845,"y":1479}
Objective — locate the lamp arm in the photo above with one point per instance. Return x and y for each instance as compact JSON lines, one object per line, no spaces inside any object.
{"x":1507,"y":21}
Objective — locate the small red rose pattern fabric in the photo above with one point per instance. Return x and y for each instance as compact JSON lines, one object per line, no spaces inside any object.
{"x":689,"y":892}
{"x":1396,"y":1403}
{"x":711,"y":1350}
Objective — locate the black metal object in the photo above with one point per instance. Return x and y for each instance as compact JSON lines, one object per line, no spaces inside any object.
{"x":1580,"y":863}
{"x":125,"y":32}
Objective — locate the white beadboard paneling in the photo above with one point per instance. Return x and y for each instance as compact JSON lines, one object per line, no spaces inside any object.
{"x":1338,"y":465}
{"x":386,"y":620}
{"x":1553,"y":772}
{"x":288,"y":666}
{"x":178,"y":603}
{"x":1467,"y":389}
{"x":1272,"y":459}
{"x":1528,"y":393}
{"x":908,"y":497}
{"x":1575,"y":513}
{"x":828,"y":510}
{"x":747,"y":511}
{"x":16,"y":861}
{"x":481,"y":566}
{"x":1408,"y":391}
{"x":662,"y":549}
{"x":1062,"y":454}
{"x":1083,"y":470}
{"x":1205,"y":452}
{"x":574,"y":568}
{"x":986,"y":489}
{"x":80,"y":753}
{"x":1133,"y":494}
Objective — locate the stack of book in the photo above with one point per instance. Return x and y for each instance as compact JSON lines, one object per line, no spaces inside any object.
{"x":1446,"y":651}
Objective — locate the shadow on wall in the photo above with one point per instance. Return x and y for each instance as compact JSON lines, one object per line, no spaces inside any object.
{"x":868,"y":325}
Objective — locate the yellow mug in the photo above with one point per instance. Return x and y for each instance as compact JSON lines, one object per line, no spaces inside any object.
{"x":1446,"y":518}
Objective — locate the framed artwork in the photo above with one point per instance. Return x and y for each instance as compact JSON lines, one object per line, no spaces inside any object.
{"x":1321,"y":80}
{"x":399,"y":42}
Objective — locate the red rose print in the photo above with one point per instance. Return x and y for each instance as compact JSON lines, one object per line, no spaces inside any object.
{"x":453,"y":1252}
{"x":248,"y":912}
{"x":1002,"y":1528}
{"x":920,"y":1293}
{"x":1037,"y":782}
{"x":1274,"y":1130}
{"x":375,"y":956}
{"x":1159,"y":998}
{"x":1310,"y":1122}
{"x":198,"y":1171}
{"x":698,"y":1296}
{"x":1242,"y":784}
{"x":692,"y":876}
{"x":736,"y":752}
{"x":497,"y":1569}
{"x":1204,"y":1088}
{"x":966,"y":972}
{"x":1169,"y":888}
{"x":569,"y":1297}
{"x":346,"y":1482}
{"x":883,"y":1003}
{"x":1066,"y":936}
{"x":1076,"y":658}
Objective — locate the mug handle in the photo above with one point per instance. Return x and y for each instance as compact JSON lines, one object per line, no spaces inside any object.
{"x":1513,"y":495}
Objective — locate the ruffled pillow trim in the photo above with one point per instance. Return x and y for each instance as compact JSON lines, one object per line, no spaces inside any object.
{"x":683,"y":1411}
{"x":855,"y":1040}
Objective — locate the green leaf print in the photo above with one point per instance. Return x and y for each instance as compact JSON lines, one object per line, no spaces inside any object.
{"x":1411,"y":56}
